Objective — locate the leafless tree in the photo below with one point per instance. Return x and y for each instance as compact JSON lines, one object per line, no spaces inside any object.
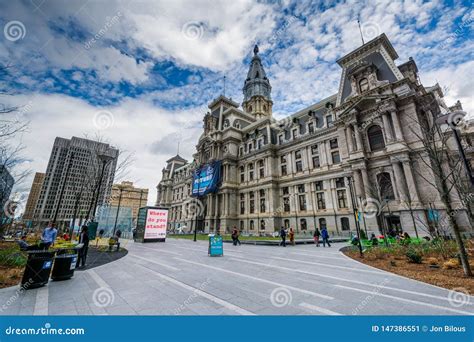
{"x":436,"y":155}
{"x":11,"y":126}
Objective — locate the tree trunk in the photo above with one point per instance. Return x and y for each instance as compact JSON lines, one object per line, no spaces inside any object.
{"x":454,"y":226}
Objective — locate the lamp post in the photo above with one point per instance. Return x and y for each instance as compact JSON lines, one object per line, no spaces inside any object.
{"x":356,"y":218}
{"x":453,"y":124}
{"x":118,"y":209}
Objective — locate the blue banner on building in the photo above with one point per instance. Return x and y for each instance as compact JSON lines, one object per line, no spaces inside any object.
{"x":206,"y":178}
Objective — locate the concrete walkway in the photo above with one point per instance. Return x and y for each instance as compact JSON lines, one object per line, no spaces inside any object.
{"x":178,"y":278}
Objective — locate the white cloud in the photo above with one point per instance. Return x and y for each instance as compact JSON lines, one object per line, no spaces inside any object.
{"x":137,"y":125}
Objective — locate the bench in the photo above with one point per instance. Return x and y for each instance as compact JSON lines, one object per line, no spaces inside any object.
{"x":113,"y":241}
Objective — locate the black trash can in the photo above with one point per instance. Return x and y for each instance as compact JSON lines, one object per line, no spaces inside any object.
{"x":37,"y":269}
{"x":64,"y":266}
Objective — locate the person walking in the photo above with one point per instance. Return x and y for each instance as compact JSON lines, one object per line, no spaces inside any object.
{"x":316,"y":236}
{"x":84,"y":239}
{"x":48,"y":236}
{"x":283,"y":237}
{"x":291,"y":235}
{"x":235,"y":237}
{"x":325,"y":236}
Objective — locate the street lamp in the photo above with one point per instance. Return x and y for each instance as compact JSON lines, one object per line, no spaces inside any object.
{"x":354,"y":209}
{"x":118,"y":209}
{"x":452,"y":120}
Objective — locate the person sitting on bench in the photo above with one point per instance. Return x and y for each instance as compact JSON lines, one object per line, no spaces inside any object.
{"x":24,"y":246}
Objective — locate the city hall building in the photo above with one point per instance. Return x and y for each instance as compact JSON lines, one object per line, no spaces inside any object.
{"x":354,"y":148}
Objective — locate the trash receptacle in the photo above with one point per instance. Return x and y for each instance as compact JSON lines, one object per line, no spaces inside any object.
{"x":37,"y":269}
{"x":64,"y":265}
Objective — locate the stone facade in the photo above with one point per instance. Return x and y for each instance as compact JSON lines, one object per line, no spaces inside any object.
{"x":296,"y":172}
{"x":33,"y":196}
{"x":86,"y":160}
{"x":129,"y":196}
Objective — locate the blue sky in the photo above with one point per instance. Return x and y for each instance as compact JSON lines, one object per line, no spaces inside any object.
{"x":152,"y":66}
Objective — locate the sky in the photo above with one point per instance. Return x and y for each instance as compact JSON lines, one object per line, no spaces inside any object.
{"x":141,"y":73}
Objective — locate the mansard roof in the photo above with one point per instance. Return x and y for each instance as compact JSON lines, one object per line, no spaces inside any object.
{"x":177,"y":158}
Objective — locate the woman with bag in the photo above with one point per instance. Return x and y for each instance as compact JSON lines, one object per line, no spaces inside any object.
{"x":316,"y":236}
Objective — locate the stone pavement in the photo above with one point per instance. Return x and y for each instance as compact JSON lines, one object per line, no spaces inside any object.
{"x":178,"y":278}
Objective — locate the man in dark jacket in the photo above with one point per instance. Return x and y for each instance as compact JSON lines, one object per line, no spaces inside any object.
{"x":283,"y":237}
{"x":84,"y":239}
{"x":325,"y":237}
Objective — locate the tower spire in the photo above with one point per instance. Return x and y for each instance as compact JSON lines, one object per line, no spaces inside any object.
{"x":257,"y":88}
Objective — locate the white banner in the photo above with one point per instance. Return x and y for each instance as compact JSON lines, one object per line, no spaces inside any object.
{"x":156,"y":223}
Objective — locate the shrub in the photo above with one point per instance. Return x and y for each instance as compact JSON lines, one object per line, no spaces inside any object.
{"x":432,"y":261}
{"x":451,"y":264}
{"x":375,"y":253}
{"x":12,"y":257}
{"x":363,"y":236}
{"x":414,"y":256}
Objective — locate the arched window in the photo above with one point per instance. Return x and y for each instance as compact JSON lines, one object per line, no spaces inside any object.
{"x":262,"y":224}
{"x":236,"y":124}
{"x":250,"y":109}
{"x":287,"y":223}
{"x":363,"y":85}
{"x":385,"y":186}
{"x":345,"y":223}
{"x":375,"y":136}
{"x":322,"y":223}
{"x":251,"y":225}
{"x":303,"y":224}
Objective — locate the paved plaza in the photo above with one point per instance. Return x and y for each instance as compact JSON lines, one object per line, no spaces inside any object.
{"x":179,"y":278}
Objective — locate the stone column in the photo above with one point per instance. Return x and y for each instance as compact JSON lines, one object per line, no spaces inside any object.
{"x":359,"y":189}
{"x":224,"y":203}
{"x":327,"y":150}
{"x":387,"y":127}
{"x":410,"y":181}
{"x":323,"y":161}
{"x":365,"y":179}
{"x":399,"y":179}
{"x":304,"y":158}
{"x":396,"y":125}
{"x":358,"y":137}
{"x":350,"y":142}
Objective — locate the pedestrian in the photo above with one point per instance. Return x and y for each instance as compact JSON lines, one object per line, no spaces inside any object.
{"x":291,"y":235}
{"x":374,"y":240}
{"x":316,"y":236}
{"x":25,"y":246}
{"x":325,"y":236}
{"x":235,"y":237}
{"x":48,"y":236}
{"x":283,"y":237}
{"x":84,"y":239}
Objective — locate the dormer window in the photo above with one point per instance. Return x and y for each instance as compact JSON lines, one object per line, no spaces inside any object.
{"x":363,"y":85}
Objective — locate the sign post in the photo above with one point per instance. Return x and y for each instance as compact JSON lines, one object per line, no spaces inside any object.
{"x":216,"y":246}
